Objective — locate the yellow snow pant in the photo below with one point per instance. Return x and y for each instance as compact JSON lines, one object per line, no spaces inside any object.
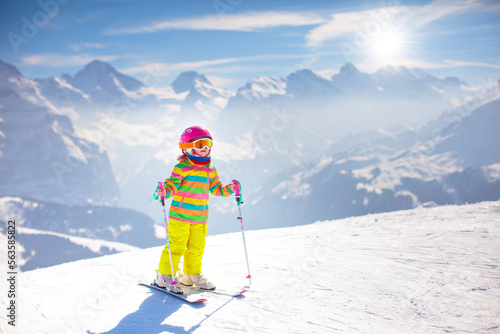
{"x":185,"y":239}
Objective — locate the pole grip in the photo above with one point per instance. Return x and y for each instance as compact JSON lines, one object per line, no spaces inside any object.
{"x":160,"y":184}
{"x":237,"y":187}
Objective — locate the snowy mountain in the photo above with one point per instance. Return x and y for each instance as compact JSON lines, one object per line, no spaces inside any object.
{"x":88,"y":221}
{"x":52,"y":233}
{"x":100,"y":89}
{"x":352,"y":81}
{"x":112,"y":112}
{"x":14,"y":85}
{"x":349,"y":102}
{"x":203,"y":101}
{"x":426,"y":270}
{"x":188,"y":82}
{"x":133,"y":122}
{"x":41,"y":156}
{"x":97,"y":84}
{"x":54,"y":180}
{"x":261,"y":88}
{"x":283,"y":123}
{"x":307,"y":84}
{"x":452,"y":165}
{"x":63,"y":95}
{"x":34,"y":253}
{"x":387,"y":82}
{"x":271,"y":126}
{"x":101,"y":77}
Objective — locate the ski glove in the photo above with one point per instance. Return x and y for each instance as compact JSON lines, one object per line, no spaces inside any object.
{"x":157,"y":194}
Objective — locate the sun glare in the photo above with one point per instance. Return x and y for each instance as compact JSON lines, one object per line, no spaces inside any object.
{"x":387,"y":45}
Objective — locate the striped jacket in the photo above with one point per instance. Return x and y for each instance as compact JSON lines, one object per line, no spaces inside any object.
{"x":189,"y":185}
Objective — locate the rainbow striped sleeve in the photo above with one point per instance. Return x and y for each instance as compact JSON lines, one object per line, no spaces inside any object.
{"x":216,"y":187}
{"x":173,"y":183}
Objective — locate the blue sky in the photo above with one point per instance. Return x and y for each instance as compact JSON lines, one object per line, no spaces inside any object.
{"x":233,"y":41}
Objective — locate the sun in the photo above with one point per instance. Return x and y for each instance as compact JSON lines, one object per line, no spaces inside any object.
{"x":387,"y":45}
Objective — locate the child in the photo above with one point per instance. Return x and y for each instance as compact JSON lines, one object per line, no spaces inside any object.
{"x":189,"y":184}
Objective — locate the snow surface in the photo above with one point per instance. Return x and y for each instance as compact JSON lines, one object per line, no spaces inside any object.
{"x":426,"y":270}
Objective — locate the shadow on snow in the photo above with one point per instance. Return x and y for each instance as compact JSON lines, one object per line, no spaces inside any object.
{"x":150,"y":316}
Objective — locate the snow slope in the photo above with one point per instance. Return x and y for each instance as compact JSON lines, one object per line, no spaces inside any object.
{"x":426,"y":270}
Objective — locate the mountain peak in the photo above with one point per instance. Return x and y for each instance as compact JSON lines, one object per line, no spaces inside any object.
{"x":98,"y":65}
{"x":187,"y":80}
{"x":349,"y":68}
{"x":303,"y":73}
{"x":101,"y":74}
{"x":263,"y":87}
{"x":350,"y":79}
{"x":96,"y":68}
{"x":9,"y":71}
{"x":307,"y":83}
{"x":306,"y":76}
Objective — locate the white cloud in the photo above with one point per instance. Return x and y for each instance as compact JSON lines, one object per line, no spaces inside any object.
{"x":249,"y":21}
{"x":344,"y":23}
{"x":370,"y":21}
{"x":165,"y":68}
{"x":457,"y":63}
{"x":441,"y":8}
{"x":60,"y":60}
{"x":89,"y":17}
{"x":79,"y":46}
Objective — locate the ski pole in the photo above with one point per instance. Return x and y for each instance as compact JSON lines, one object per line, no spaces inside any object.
{"x":239,"y":200}
{"x":168,"y":239}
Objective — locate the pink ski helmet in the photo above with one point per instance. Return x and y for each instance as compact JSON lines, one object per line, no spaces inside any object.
{"x":193,"y":133}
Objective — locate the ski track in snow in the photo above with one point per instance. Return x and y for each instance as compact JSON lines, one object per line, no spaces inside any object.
{"x":427,"y":270}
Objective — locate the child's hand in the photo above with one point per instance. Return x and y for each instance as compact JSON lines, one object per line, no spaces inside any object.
{"x":161,"y":192}
{"x":232,"y":187}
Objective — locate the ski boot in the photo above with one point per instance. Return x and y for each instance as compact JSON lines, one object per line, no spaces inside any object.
{"x":199,"y":281}
{"x":165,"y":281}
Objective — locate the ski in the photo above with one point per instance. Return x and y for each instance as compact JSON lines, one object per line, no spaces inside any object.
{"x":186,"y":296}
{"x":233,"y":293}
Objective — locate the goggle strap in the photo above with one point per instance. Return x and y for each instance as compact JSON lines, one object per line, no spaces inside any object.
{"x":186,"y":146}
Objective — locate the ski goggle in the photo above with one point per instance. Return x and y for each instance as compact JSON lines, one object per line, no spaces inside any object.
{"x":198,"y":144}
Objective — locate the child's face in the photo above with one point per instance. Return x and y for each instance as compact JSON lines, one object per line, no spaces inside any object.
{"x":203,"y":152}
